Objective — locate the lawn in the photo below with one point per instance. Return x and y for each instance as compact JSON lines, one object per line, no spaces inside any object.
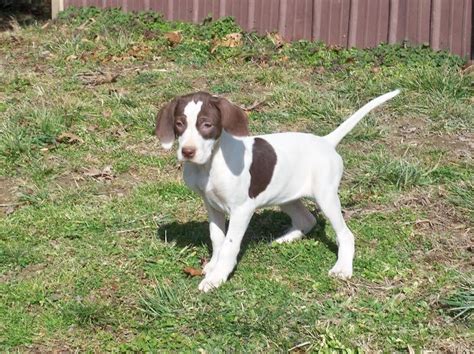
{"x":96,"y":224}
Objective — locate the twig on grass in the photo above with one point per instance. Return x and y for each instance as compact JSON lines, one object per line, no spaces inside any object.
{"x":304,"y":344}
{"x":133,"y":230}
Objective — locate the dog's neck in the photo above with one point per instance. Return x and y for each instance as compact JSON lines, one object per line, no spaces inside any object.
{"x":232,"y":150}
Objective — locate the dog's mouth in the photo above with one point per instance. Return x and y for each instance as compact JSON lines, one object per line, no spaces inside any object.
{"x":196,"y":160}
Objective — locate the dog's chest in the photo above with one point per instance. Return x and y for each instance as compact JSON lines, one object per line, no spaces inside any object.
{"x":216,"y":185}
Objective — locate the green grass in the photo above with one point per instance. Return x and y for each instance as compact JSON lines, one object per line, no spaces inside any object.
{"x":95,"y":262}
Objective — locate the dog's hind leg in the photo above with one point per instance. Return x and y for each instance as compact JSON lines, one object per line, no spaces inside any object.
{"x":302,"y":221}
{"x":328,"y":201}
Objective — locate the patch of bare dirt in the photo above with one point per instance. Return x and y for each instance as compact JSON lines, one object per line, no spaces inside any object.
{"x":57,"y":348}
{"x":111,"y":184}
{"x":414,"y":131}
{"x":8,"y":195}
{"x":449,"y":231}
{"x":147,"y":148}
{"x":201,"y":84}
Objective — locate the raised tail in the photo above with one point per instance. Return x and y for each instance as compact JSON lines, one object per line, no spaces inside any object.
{"x":341,"y":131}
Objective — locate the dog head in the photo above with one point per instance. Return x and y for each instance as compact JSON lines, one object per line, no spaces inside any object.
{"x":197,"y":120}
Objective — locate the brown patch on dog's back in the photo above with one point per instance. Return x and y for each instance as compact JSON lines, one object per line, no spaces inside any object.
{"x":263,"y":164}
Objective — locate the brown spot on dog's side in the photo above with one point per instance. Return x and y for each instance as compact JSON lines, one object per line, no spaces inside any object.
{"x":263,"y":164}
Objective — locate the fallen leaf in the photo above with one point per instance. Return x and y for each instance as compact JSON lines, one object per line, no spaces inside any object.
{"x":10,"y":210}
{"x":277,"y":40}
{"x":69,"y":138}
{"x":376,"y":69}
{"x":85,"y":24}
{"x":336,"y":68}
{"x":92,"y":128}
{"x":319,"y":70}
{"x":14,"y":39}
{"x":93,"y":172}
{"x":121,"y":92}
{"x":98,"y":78}
{"x":174,"y":37}
{"x":350,"y":60}
{"x":253,"y":106}
{"x":118,"y":132}
{"x":106,"y":79}
{"x":192,"y":272}
{"x":335,"y":47}
{"x":71,"y":57}
{"x":229,"y":41}
{"x":468,"y":69}
{"x":138,"y":51}
{"x":150,"y":35}
{"x":102,"y":175}
{"x":232,"y":40}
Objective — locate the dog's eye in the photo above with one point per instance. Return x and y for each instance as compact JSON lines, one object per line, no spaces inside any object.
{"x":206,"y":125}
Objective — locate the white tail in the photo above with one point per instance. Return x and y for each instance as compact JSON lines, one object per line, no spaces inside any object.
{"x":341,"y":131}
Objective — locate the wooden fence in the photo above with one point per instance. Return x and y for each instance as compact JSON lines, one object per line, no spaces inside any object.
{"x":442,"y":24}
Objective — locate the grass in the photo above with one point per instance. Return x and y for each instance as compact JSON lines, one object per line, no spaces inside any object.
{"x":95,"y":232}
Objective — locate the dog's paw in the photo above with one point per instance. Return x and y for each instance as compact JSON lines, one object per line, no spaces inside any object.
{"x":341,"y":270}
{"x":290,"y":236}
{"x":212,"y":281}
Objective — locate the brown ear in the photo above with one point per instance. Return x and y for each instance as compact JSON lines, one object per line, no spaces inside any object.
{"x":234,"y":120}
{"x":164,"y":129}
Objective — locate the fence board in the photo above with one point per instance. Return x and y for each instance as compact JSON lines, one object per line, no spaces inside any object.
{"x":369,"y":23}
{"x":160,"y":6}
{"x":331,"y":21}
{"x":204,"y":8}
{"x":239,"y":9}
{"x":451,"y":21}
{"x":296,"y":17}
{"x":266,"y":16}
{"x":410,"y":21}
{"x":444,"y":24}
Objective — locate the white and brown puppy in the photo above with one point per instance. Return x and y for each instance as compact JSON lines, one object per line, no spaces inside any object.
{"x":237,"y":174}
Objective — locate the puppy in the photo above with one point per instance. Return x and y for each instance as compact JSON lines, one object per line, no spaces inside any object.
{"x":236,"y":174}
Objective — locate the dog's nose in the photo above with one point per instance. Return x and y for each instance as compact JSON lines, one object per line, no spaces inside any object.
{"x":188,"y":152}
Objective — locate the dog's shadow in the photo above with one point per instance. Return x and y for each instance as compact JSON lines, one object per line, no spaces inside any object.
{"x":265,"y":227}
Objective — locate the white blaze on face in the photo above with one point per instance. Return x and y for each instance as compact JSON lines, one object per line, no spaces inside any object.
{"x":191,"y":138}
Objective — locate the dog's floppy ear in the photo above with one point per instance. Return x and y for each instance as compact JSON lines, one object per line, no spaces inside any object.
{"x":164,"y":129}
{"x":233,"y":118}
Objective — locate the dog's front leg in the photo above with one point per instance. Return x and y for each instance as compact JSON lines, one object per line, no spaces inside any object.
{"x":217,"y":234}
{"x":230,"y":248}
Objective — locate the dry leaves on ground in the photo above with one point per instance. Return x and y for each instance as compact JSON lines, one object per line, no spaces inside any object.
{"x":231,"y":40}
{"x":253,"y":106}
{"x":69,"y":138}
{"x":174,"y":38}
{"x":103,"y":175}
{"x":193,"y":272}
{"x":97,"y":78}
{"x":277,"y":40}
